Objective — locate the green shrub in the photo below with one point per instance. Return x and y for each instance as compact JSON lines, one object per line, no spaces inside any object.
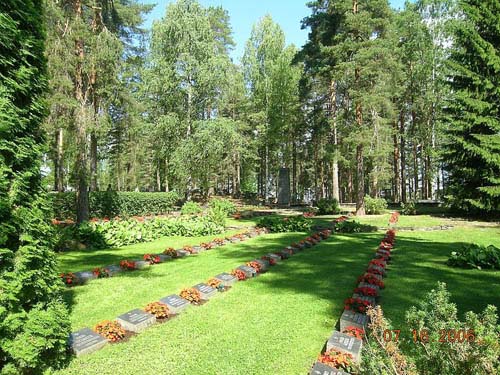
{"x":277,"y":224}
{"x":111,"y":203}
{"x":191,"y":208}
{"x":117,"y":233}
{"x":34,"y":324}
{"x":476,"y":256}
{"x":218,"y":215}
{"x":352,"y":226}
{"x":328,"y":206}
{"x":224,"y":204}
{"x":470,"y":346}
{"x":375,"y":206}
{"x":409,"y":208}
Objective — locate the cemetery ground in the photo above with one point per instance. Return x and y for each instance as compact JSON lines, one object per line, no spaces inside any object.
{"x":278,"y":322}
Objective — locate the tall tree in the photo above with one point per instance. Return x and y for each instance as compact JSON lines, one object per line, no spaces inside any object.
{"x":473,"y":150}
{"x":34,"y":323}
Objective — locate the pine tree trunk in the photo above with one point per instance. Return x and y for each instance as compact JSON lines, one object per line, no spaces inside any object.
{"x":59,"y":162}
{"x":93,"y":162}
{"x":415,"y":170}
{"x":403,"y":155}
{"x":82,"y":194}
{"x":167,"y":187}
{"x":396,"y":155}
{"x":294,"y":172}
{"x":335,"y":162}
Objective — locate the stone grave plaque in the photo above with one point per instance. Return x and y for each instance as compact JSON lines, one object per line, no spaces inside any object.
{"x":284,"y":254}
{"x":141,"y":264}
{"x":226,"y":279}
{"x":182,"y":253}
{"x":383,"y":262}
{"x":371,"y":300}
{"x":308,"y":244}
{"x":294,"y":250}
{"x":378,"y":277}
{"x":384,"y":252}
{"x":366,"y":285}
{"x":86,"y":341}
{"x":84,"y":276}
{"x":263,"y":263}
{"x":276,"y":257}
{"x":114,"y":269}
{"x":205,"y":290}
{"x":249,"y":271}
{"x":322,"y":369}
{"x":351,"y":318}
{"x":198,"y":249}
{"x":175,"y":303}
{"x":164,"y":258}
{"x":136,"y":320}
{"x":346,"y":344}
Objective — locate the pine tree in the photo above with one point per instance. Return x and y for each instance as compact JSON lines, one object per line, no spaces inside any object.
{"x":33,"y":319}
{"x":473,"y":150}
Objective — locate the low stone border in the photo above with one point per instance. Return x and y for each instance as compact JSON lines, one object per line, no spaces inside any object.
{"x":353,"y":324}
{"x":423,"y":229}
{"x":86,"y":341}
{"x":72,"y":279}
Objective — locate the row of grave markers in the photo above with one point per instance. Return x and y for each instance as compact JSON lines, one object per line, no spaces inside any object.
{"x":86,"y":341}
{"x":343,"y":348}
{"x":82,"y":277}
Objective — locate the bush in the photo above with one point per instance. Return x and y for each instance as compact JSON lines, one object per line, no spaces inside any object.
{"x":375,"y":206}
{"x":191,"y":208}
{"x":476,"y":256}
{"x":352,"y":226}
{"x":472,"y":348}
{"x":277,"y":224}
{"x":409,"y":208}
{"x":328,"y":206}
{"x":117,"y":233}
{"x":223,"y":204}
{"x":111,"y":203}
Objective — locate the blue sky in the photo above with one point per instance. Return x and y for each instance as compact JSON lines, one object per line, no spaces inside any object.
{"x":244,"y":13}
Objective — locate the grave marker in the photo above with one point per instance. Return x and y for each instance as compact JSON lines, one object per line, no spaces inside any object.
{"x":205,"y":290}
{"x":351,"y":318}
{"x":175,"y":303}
{"x":84,"y":276}
{"x":136,"y":320}
{"x":345,"y":343}
{"x":226,"y":279}
{"x":249,"y":271}
{"x":86,"y":341}
{"x":322,"y":369}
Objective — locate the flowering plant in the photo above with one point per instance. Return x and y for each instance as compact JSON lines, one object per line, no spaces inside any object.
{"x":375,"y":271}
{"x":100,"y":272}
{"x":356,"y":304}
{"x":394,"y":218}
{"x":216,"y":284}
{"x":340,"y":219}
{"x":366,"y":291}
{"x":127,"y":265}
{"x":158,"y":309}
{"x":237,"y":216}
{"x":191,"y":294}
{"x":240,"y":236}
{"x":385,"y":246}
{"x":206,"y":246}
{"x":371,"y":279}
{"x":112,"y":330}
{"x":189,"y":249}
{"x":339,"y":360}
{"x":356,"y":332}
{"x":309,"y":214}
{"x":152,"y":259}
{"x":255,"y":265}
{"x":219,"y":241}
{"x":170,"y":251}
{"x":68,"y":278}
{"x":378,"y":263}
{"x":239,"y":274}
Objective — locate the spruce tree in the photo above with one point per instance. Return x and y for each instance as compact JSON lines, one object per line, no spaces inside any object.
{"x":473,"y":150}
{"x":33,"y":319}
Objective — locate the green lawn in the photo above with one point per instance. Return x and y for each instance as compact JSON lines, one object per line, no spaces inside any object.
{"x":420,"y":262}
{"x":276,"y":323}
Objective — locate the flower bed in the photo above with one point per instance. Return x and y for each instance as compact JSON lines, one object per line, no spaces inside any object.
{"x":152,"y":259}
{"x":128,"y":265}
{"x":337,"y":359}
{"x":112,"y":330}
{"x":357,"y":305}
{"x":190,"y":294}
{"x":158,"y":309}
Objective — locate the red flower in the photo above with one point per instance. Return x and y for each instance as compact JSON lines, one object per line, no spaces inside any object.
{"x":366,"y":291}
{"x":356,"y":304}
{"x":239,"y":274}
{"x":371,"y":279}
{"x":356,"y":332}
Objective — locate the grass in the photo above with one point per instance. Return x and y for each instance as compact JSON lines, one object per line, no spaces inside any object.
{"x":276,"y":323}
{"x":420,"y":262}
{"x":85,"y":260}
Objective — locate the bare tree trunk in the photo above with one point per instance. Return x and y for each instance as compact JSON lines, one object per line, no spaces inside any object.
{"x":415,"y":170}
{"x":403,"y":155}
{"x":360,"y":176}
{"x":167,"y":187}
{"x":335,"y":162}
{"x":397,"y":180}
{"x":82,"y":194}
{"x":294,"y":172}
{"x":93,"y":162}
{"x":59,"y":162}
